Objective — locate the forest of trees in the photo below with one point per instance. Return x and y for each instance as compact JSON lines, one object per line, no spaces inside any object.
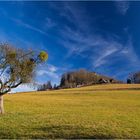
{"x":134,"y":78}
{"x":47,"y":86}
{"x":83,"y":78}
{"x":77,"y":79}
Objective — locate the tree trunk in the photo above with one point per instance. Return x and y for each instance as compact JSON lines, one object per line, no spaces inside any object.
{"x":1,"y":105}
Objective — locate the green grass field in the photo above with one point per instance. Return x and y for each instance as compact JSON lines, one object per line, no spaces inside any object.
{"x":103,"y":111}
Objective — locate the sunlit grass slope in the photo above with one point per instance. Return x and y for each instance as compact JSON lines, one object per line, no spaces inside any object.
{"x":103,"y":111}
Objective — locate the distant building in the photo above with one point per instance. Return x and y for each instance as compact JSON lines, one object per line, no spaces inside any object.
{"x":103,"y":81}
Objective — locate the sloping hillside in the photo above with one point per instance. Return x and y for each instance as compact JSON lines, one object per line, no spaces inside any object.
{"x":100,"y":111}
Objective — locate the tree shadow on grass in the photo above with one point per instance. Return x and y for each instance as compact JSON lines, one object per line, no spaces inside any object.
{"x":70,"y":132}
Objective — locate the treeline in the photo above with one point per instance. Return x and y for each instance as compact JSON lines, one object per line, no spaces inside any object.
{"x":46,"y":86}
{"x":134,"y":78}
{"x":78,"y":79}
{"x":83,"y":78}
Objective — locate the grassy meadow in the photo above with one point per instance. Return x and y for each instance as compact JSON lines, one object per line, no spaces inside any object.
{"x":102,"y":111}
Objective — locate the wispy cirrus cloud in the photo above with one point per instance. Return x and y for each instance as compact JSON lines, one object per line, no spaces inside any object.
{"x":124,"y":53}
{"x":47,"y":73}
{"x":99,"y":51}
{"x":102,"y":59}
{"x":49,"y":23}
{"x":26,"y":25}
{"x":97,"y":47}
{"x":122,"y":6}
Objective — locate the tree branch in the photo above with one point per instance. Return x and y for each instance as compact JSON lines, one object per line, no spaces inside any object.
{"x":8,"y":87}
{"x":1,"y":84}
{"x":16,"y":85}
{"x":4,"y":92}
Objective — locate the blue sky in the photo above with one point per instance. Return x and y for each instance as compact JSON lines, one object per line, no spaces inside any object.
{"x":99,"y":36}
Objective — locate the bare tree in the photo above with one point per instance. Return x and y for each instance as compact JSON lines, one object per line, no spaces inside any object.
{"x":135,"y":77}
{"x":43,"y":87}
{"x":17,"y":67}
